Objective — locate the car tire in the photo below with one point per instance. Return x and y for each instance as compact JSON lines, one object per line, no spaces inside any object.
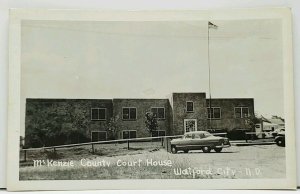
{"x":185,"y":151}
{"x":218,"y":150}
{"x":173,"y":149}
{"x":280,"y":142}
{"x":206,"y":149}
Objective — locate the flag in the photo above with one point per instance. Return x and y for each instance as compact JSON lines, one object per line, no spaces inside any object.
{"x":211,"y":25}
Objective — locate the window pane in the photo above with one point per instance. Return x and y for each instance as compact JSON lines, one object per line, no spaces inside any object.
{"x":245,"y":112}
{"x":190,"y":125}
{"x":132,"y":134}
{"x":189,"y":106}
{"x":132,"y":114}
{"x":125,"y":134}
{"x":217,"y":113}
{"x":125,"y":113}
{"x":197,"y":136}
{"x":154,"y":111}
{"x":102,"y":113}
{"x":161,"y":133}
{"x":98,"y":136}
{"x":161,"y":113}
{"x":237,"y":112}
{"x":95,"y":114}
{"x":154,"y":133}
{"x":102,"y":136}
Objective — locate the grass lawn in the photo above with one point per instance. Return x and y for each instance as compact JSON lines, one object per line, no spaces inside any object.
{"x":234,"y":162}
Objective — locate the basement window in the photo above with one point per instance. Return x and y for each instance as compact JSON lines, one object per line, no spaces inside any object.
{"x":158,"y":133}
{"x":128,"y":134}
{"x":98,"y":136}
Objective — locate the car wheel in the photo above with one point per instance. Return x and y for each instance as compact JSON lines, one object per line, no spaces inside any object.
{"x":185,"y":151}
{"x":218,"y":149}
{"x":173,"y":149}
{"x":206,"y":149}
{"x":280,"y":142}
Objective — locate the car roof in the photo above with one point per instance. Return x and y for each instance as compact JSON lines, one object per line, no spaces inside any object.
{"x":196,"y":132}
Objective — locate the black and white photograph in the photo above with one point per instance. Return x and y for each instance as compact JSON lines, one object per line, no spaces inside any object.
{"x":154,"y":99}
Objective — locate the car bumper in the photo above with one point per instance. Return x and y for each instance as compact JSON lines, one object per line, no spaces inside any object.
{"x":223,"y":146}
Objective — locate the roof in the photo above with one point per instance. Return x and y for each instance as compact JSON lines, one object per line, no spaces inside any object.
{"x":277,"y":121}
{"x":269,"y":124}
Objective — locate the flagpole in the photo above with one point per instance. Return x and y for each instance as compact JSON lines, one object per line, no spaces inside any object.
{"x":209,"y":89}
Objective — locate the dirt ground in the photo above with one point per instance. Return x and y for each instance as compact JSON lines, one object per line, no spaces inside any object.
{"x":259,"y":161}
{"x":256,"y":161}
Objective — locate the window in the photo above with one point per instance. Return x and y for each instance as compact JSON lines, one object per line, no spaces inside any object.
{"x":197,"y":136}
{"x":241,"y":112}
{"x":98,"y":136}
{"x":214,"y":113}
{"x":158,"y":133}
{"x":188,"y":136}
{"x":159,"y":112}
{"x":98,"y":114}
{"x":190,"y":125}
{"x":128,"y":134}
{"x":189,"y":106}
{"x":129,"y":113}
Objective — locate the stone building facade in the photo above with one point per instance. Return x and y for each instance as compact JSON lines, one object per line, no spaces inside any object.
{"x":96,"y":118}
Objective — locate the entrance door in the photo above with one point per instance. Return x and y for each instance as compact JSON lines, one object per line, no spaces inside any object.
{"x":190,"y":125}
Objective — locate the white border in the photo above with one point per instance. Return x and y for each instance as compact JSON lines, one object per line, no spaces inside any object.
{"x":13,"y":182}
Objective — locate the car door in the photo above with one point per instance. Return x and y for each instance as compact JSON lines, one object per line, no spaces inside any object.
{"x":210,"y":140}
{"x":185,"y":142}
{"x":196,"y":142}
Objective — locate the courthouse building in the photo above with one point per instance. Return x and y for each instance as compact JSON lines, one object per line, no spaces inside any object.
{"x":182,"y":112}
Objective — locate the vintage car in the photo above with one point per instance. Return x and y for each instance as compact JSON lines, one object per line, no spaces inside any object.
{"x":199,"y":140}
{"x":280,"y":139}
{"x":278,"y":131}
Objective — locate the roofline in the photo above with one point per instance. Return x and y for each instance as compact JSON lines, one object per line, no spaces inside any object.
{"x":189,"y":93}
{"x":230,"y":98}
{"x":140,"y":99}
{"x":64,"y":99}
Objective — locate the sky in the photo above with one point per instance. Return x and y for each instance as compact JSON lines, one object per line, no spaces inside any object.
{"x":152,"y":59}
